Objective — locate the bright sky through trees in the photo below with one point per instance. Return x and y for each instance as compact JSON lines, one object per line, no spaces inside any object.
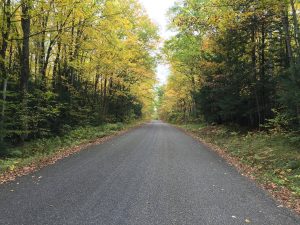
{"x":157,"y":10}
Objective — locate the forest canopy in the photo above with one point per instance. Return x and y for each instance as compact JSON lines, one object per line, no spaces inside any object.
{"x":69,"y":63}
{"x":234,"y":62}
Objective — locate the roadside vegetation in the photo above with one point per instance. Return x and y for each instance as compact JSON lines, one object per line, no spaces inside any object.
{"x":235,"y":67}
{"x":274,"y":156}
{"x":67,"y":68}
{"x":41,"y":152}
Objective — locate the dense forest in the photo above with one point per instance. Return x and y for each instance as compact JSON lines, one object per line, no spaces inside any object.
{"x":234,"y":62}
{"x":68,"y":63}
{"x":81,"y":78}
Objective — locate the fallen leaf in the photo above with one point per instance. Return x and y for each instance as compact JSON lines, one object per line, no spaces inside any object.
{"x":12,"y":167}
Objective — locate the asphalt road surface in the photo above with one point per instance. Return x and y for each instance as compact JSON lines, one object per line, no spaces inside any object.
{"x":152,"y":175}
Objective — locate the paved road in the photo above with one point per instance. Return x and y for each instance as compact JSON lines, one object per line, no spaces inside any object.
{"x":152,"y":175}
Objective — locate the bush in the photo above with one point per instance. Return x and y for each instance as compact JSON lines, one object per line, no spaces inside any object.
{"x":279,"y":123}
{"x":3,"y":149}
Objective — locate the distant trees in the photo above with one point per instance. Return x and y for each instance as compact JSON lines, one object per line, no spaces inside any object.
{"x":71,"y":63}
{"x":239,"y":60}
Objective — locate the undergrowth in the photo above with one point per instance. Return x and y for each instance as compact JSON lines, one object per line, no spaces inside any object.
{"x":275,"y":155}
{"x":35,"y":150}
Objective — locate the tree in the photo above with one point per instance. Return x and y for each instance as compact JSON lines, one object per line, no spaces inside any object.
{"x":73,"y":63}
{"x":242,"y":57}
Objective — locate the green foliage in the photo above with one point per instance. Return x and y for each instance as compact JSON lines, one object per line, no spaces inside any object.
{"x":274,"y":156}
{"x":290,"y":95}
{"x":234,"y":62}
{"x":279,"y":123}
{"x":44,"y":147}
{"x":73,"y":64}
{"x":3,"y":149}
{"x":293,"y":165}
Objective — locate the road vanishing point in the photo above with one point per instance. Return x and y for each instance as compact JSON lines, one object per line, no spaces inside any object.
{"x":152,"y":175}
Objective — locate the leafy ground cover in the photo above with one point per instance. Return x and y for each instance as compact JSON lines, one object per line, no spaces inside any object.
{"x":272,"y":159}
{"x":36,"y":154}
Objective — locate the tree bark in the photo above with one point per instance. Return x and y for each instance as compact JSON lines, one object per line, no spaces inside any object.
{"x":56,"y":67}
{"x":5,"y":35}
{"x":3,"y":110}
{"x":296,"y":25}
{"x":24,"y":61}
{"x":25,"y":23}
{"x":287,"y":33}
{"x":258,"y":108}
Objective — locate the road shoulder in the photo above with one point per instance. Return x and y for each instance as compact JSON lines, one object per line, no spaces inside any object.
{"x":284,"y":196}
{"x":35,"y":163}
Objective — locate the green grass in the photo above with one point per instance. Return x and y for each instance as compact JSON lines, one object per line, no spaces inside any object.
{"x":35,"y":150}
{"x":275,"y":155}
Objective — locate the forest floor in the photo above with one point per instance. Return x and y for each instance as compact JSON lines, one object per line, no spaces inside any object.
{"x":42,"y":152}
{"x":272,"y":159}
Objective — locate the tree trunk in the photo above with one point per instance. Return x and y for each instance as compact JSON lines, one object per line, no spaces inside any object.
{"x":2,"y":128}
{"x":96,"y":85}
{"x":263,"y":73}
{"x":56,"y":67}
{"x":104,"y":96}
{"x":46,"y":62}
{"x":255,"y":77}
{"x":5,"y":35}
{"x":287,"y":33}
{"x":25,"y":22}
{"x":24,"y":61}
{"x":296,"y":25}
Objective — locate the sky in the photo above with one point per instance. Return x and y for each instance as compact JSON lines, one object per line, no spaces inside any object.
{"x":157,"y":10}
